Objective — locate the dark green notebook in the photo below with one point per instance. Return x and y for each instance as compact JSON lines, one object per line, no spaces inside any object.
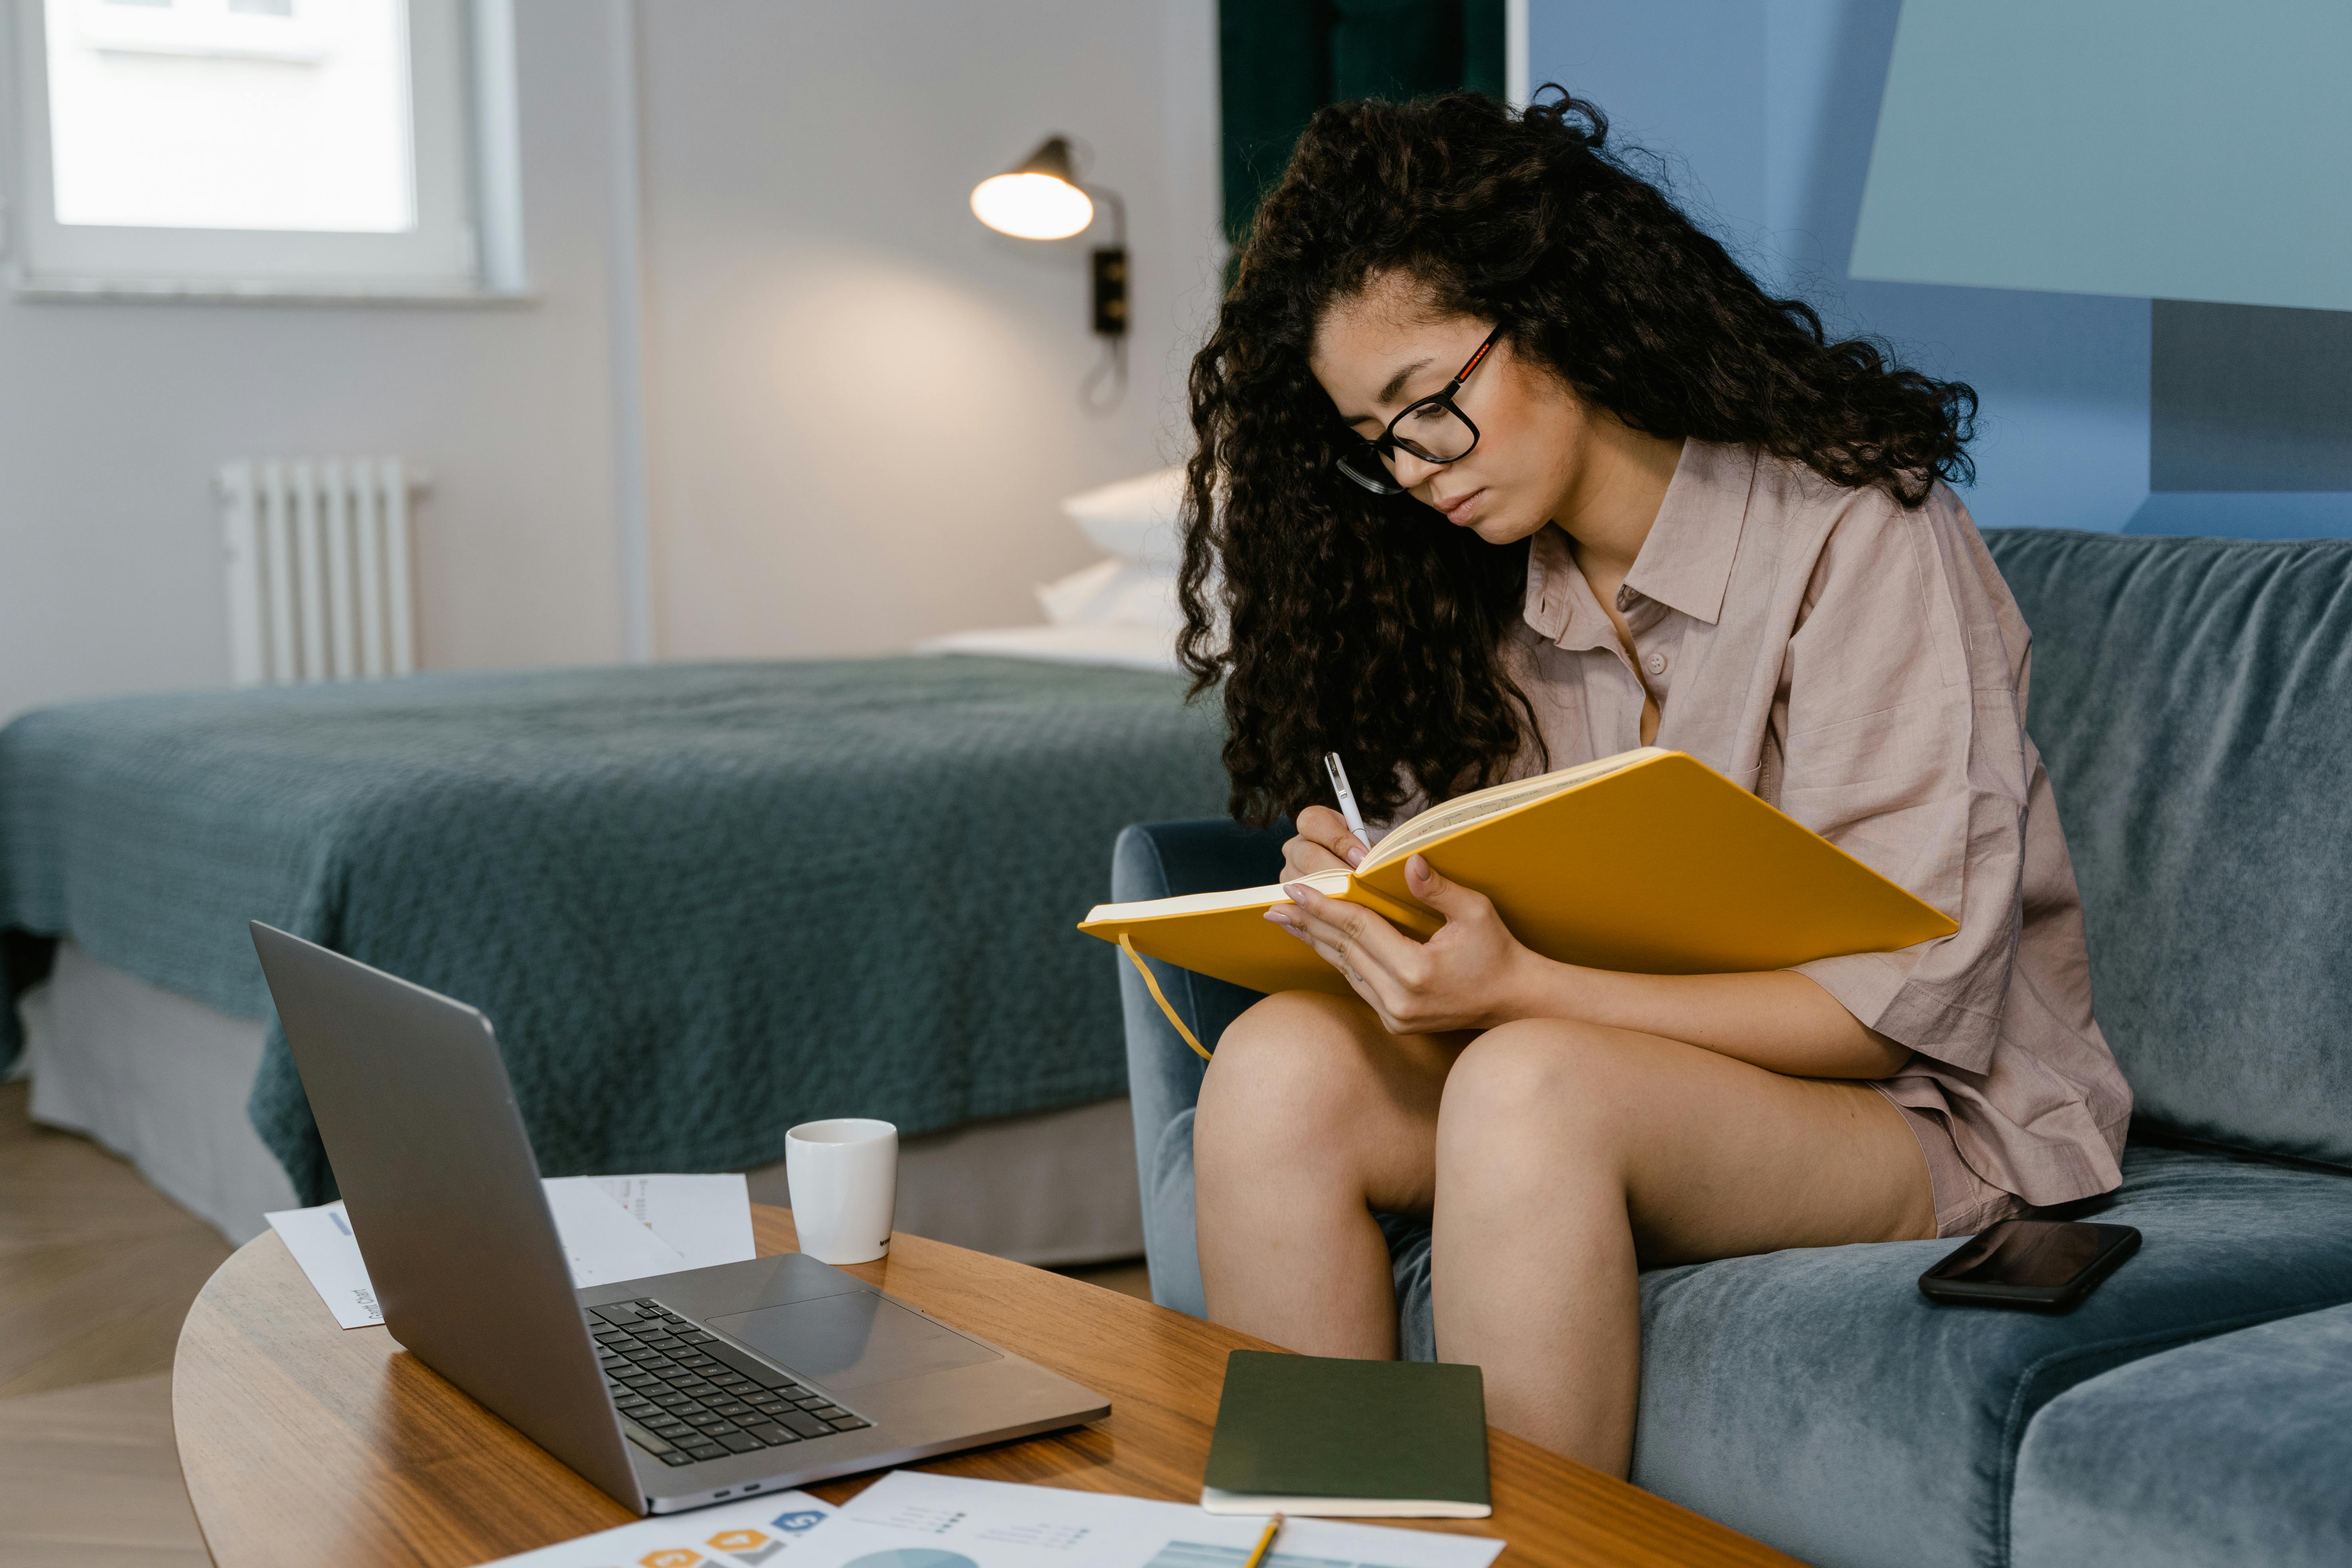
{"x":1370,"y":1439}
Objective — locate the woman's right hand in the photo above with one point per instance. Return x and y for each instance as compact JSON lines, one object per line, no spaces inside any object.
{"x":1324,"y":844}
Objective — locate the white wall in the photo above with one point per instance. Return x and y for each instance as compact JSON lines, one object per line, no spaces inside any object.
{"x":864,"y":402}
{"x":114,"y":415}
{"x":860,"y":404}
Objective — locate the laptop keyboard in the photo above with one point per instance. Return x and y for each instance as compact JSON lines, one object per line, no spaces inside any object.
{"x":686,"y":1396}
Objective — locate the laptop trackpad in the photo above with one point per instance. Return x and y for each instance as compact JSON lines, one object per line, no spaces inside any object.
{"x":852,"y":1341}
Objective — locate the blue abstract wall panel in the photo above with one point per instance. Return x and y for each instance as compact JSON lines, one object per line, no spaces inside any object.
{"x":2244,"y":397}
{"x":2167,"y":149}
{"x":1763,"y":113}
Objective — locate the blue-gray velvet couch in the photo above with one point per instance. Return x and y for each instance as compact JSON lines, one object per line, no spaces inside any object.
{"x":2193,"y":700}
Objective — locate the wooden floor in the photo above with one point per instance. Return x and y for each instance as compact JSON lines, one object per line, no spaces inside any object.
{"x":96,"y":1269}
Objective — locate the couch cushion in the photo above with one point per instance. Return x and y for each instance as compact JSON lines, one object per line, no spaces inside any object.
{"x":1813,"y":1399}
{"x":2193,"y":700}
{"x":2236,"y":1449}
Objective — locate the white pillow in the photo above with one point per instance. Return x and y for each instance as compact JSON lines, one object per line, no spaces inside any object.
{"x":1135,"y":520}
{"x":1112,"y":591}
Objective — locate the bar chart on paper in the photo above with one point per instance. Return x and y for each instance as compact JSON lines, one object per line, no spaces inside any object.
{"x":909,"y":1520}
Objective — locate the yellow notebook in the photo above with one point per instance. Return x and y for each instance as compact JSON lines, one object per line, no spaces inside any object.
{"x":1648,"y":862}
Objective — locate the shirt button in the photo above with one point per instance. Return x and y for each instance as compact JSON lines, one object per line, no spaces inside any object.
{"x":1657,"y":663}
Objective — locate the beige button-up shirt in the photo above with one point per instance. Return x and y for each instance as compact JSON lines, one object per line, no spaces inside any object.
{"x":1864,"y":668}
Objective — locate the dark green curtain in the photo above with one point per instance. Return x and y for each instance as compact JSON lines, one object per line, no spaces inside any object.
{"x":1281,"y":60}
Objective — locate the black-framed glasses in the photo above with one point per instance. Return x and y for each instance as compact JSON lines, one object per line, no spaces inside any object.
{"x":1433,"y":429}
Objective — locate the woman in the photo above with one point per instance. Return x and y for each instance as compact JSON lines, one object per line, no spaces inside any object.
{"x":1512,"y":468}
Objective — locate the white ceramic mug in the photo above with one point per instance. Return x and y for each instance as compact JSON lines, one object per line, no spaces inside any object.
{"x":844,"y":1175}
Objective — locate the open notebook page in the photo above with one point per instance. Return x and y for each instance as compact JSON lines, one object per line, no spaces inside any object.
{"x":1440,"y":820}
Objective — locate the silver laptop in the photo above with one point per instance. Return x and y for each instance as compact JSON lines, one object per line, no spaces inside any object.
{"x":668,"y":1393}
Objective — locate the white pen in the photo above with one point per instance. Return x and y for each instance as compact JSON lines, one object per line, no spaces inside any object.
{"x":1332,"y":765}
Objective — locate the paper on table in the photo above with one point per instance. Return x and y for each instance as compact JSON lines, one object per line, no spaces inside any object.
{"x":601,"y":1242}
{"x":753,"y":1532}
{"x":707,"y":1218}
{"x":947,"y":1522}
{"x":320,"y":1240}
{"x":613,"y":1228}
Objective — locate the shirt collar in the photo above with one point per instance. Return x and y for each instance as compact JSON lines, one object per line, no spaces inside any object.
{"x":1560,"y":603}
{"x":1685,"y":561}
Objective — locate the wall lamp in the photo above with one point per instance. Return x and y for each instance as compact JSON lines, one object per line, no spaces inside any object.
{"x":1041,"y":198}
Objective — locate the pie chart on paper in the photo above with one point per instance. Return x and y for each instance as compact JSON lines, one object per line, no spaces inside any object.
{"x":912,"y":1557}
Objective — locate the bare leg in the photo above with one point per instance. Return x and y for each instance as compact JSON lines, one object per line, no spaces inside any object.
{"x":1571,"y":1156}
{"x":1311,"y":1117}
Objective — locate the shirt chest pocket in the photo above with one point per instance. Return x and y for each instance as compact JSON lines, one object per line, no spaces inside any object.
{"x":1888,"y":752}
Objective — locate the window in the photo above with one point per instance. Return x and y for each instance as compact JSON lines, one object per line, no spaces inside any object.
{"x":255,"y":146}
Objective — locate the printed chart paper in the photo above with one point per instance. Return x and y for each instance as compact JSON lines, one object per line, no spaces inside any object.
{"x":322,"y":1242}
{"x":612,"y":1227}
{"x":908,"y":1519}
{"x":601,"y":1242}
{"x":757,"y":1532}
{"x":707,"y":1218}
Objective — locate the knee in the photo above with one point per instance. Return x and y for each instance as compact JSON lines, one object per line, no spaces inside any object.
{"x":1287,"y":1073}
{"x":1561,"y":1083}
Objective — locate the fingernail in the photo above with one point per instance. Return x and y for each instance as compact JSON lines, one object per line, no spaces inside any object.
{"x":1355,"y":853}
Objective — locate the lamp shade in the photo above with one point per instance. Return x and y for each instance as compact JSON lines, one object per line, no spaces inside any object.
{"x":1038,"y":199}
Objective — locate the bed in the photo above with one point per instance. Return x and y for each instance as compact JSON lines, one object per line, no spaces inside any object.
{"x":700,"y":903}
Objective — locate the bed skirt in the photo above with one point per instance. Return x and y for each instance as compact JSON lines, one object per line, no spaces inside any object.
{"x":164,"y":1080}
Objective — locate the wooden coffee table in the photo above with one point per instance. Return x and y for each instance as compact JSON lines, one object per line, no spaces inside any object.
{"x":305,"y":1444}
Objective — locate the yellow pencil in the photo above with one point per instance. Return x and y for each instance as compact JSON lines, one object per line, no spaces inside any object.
{"x":1264,"y":1543}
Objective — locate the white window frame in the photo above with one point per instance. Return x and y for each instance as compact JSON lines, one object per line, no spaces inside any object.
{"x":465,"y":245}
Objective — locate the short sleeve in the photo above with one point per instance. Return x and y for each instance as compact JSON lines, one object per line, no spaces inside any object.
{"x":1904,"y":746}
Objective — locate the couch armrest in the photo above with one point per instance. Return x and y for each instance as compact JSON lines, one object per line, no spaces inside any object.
{"x":1158,"y":860}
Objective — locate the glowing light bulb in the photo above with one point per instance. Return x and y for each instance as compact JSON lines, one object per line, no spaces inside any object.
{"x":1031,"y":205}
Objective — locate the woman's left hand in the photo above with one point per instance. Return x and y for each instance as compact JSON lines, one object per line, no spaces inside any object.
{"x":1464,"y":977}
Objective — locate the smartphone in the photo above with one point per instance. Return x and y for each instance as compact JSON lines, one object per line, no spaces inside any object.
{"x":2042,"y":1265}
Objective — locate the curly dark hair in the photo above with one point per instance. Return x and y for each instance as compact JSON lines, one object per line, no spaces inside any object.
{"x":1351,"y":622}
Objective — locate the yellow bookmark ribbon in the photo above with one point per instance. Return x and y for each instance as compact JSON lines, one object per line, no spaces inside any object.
{"x":1144,"y":969}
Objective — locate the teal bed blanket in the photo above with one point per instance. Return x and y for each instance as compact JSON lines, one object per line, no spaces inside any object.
{"x":700,"y":903}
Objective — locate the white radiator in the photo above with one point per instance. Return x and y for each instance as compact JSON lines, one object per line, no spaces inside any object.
{"x":320,"y":586}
